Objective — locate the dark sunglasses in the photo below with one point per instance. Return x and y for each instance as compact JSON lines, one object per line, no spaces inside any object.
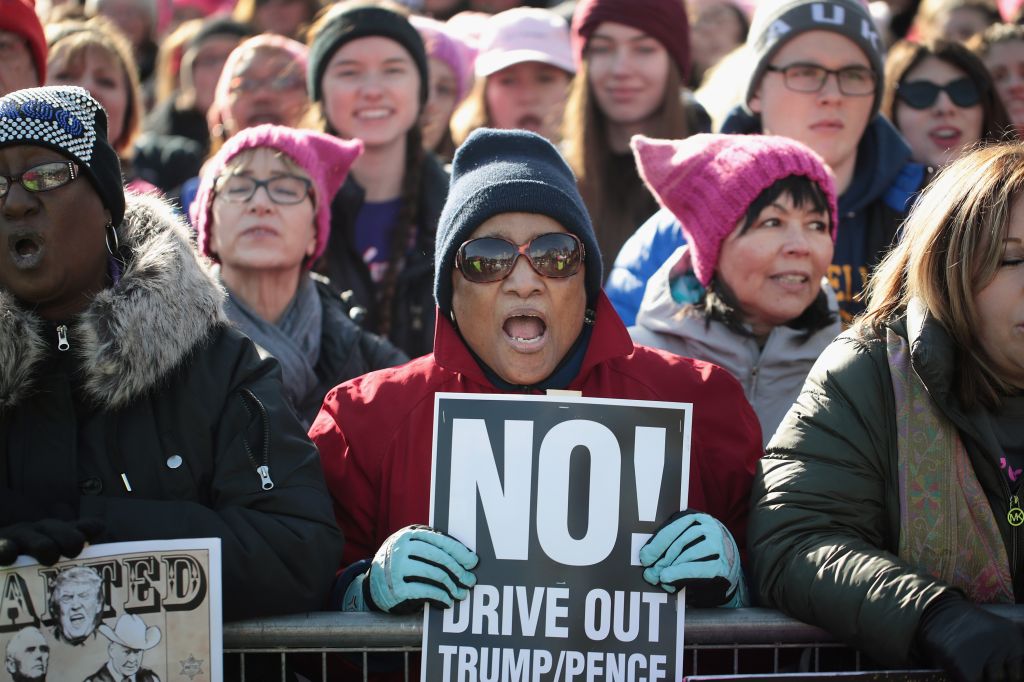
{"x":922,"y":94}
{"x":489,"y":259}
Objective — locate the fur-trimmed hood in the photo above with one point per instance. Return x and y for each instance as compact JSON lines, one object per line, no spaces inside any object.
{"x":132,"y":334}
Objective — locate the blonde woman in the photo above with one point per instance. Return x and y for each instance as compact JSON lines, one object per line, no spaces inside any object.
{"x":95,"y":55}
{"x":888,"y":504}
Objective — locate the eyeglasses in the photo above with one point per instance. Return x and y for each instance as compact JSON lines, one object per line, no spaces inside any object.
{"x":923,"y":94}
{"x":285,"y":190}
{"x":41,"y":178}
{"x":282,"y":83}
{"x":489,"y":259}
{"x":854,"y":81}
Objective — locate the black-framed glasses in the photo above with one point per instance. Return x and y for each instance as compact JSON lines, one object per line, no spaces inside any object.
{"x":923,"y":93}
{"x":489,"y":259}
{"x":285,"y":190}
{"x":854,"y":81}
{"x":41,"y":178}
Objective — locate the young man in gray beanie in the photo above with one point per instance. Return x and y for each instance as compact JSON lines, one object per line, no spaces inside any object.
{"x":519,"y":310}
{"x":817,"y":78}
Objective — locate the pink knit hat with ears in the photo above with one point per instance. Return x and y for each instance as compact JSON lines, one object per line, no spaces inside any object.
{"x":450,"y":49}
{"x":709,"y":181}
{"x":325,"y":158}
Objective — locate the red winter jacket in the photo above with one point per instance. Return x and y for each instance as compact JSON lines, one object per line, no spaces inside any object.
{"x":375,"y":432}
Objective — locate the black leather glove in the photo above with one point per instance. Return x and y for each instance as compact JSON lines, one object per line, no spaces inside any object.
{"x":47,"y":540}
{"x":969,"y":643}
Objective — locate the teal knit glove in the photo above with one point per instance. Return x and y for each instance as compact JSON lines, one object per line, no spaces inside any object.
{"x":694,"y":550}
{"x":415,"y":565}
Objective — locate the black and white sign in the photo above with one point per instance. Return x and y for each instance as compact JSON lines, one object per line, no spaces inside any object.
{"x":556,"y":495}
{"x":142,"y":611}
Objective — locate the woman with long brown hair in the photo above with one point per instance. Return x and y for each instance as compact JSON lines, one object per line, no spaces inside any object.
{"x":633,"y":59}
{"x":368,"y":80}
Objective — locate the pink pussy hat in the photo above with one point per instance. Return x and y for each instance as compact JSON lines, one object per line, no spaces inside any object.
{"x":325,"y":158}
{"x":443,"y":45}
{"x":709,"y":181}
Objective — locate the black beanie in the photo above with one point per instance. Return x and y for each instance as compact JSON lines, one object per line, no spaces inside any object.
{"x":363,"y":21}
{"x":509,"y":171}
{"x":67,"y":120}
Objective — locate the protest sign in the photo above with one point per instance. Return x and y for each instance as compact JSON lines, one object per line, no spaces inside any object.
{"x":860,"y":676}
{"x":556,"y":495}
{"x":128,"y":610}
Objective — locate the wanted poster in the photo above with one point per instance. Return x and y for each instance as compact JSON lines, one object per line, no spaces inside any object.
{"x":140,"y":611}
{"x":556,"y":495}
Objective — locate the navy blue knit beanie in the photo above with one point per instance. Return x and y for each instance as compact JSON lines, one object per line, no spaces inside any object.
{"x":509,"y":171}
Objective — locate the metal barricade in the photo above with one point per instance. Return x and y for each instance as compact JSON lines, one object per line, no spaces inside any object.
{"x":342,"y":646}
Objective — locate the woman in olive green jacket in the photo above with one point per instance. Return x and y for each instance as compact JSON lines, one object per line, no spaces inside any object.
{"x":887,"y":506}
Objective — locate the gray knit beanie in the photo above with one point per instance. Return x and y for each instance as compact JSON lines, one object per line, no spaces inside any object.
{"x":776,"y":22}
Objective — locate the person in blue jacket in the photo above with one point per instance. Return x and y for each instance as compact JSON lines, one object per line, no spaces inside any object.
{"x":817,"y":77}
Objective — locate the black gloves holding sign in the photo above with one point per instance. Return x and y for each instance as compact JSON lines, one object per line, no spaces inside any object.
{"x":47,"y":540}
{"x":44,"y":532}
{"x":969,"y":643}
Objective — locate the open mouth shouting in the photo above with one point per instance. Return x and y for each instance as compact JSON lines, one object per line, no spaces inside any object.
{"x":526,"y":331}
{"x":26,"y":249}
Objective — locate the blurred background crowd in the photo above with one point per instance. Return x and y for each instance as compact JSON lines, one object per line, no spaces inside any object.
{"x":178,"y":78}
{"x":733,"y":177}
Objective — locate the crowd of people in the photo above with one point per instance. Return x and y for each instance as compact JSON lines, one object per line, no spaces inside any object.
{"x":247,"y":242}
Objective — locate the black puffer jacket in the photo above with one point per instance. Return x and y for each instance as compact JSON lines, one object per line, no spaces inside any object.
{"x":158,"y":388}
{"x":412,"y":309}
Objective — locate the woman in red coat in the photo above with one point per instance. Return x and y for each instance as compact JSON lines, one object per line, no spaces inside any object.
{"x":507,"y":324}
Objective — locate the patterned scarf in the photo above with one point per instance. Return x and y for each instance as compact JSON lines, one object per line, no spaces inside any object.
{"x":946,"y":524}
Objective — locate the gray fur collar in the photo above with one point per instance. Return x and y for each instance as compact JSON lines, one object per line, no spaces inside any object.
{"x":133,"y":334}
